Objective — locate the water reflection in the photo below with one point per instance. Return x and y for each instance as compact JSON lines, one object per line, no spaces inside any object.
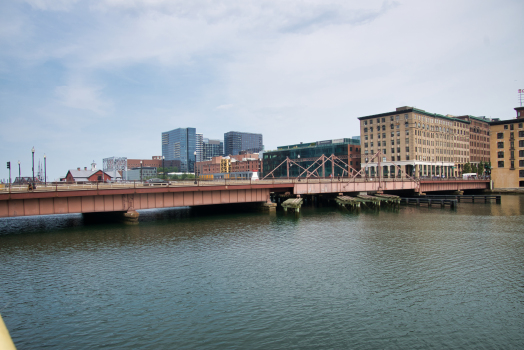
{"x":402,"y":278}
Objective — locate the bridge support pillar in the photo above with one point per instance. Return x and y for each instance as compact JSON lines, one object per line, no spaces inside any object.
{"x":130,"y":217}
{"x":268,"y":207}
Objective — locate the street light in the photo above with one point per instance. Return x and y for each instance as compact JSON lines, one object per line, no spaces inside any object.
{"x":141,"y":179}
{"x":194,"y":167}
{"x":163,"y":167}
{"x":45,"y":170}
{"x":33,"y":179}
{"x":19,"y":173}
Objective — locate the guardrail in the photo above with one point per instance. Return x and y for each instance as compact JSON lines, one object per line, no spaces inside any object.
{"x":56,"y":187}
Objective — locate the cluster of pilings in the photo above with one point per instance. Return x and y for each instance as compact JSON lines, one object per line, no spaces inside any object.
{"x":367,"y":201}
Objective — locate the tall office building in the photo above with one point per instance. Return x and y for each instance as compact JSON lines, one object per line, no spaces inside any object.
{"x":180,"y":144}
{"x":420,"y":143}
{"x":199,"y":147}
{"x":212,"y":148}
{"x":236,"y":142}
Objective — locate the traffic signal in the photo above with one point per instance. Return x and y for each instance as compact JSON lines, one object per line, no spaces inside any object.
{"x":8,"y":165}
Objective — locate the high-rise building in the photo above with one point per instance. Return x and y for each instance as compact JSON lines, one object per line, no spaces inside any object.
{"x":418,"y":142}
{"x":507,"y":151}
{"x":213,"y":148}
{"x":199,"y":147}
{"x":180,"y":144}
{"x":236,"y":142}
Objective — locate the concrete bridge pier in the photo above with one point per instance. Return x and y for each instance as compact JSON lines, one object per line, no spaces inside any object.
{"x":130,"y":217}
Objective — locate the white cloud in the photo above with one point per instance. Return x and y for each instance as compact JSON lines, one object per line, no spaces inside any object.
{"x":229,"y":106}
{"x":83,"y":97}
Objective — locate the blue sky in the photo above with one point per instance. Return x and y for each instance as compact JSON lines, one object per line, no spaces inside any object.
{"x":84,"y":80}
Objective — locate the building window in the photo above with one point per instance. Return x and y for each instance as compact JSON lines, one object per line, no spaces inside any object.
{"x":370,"y":136}
{"x":501,"y":164}
{"x":378,"y":136}
{"x":500,"y":154}
{"x":398,"y":133}
{"x":392,"y":150}
{"x":511,"y":126}
{"x":383,"y":127}
{"x":512,"y":164}
{"x":520,"y":124}
{"x":365,"y":122}
{"x":407,"y":156}
{"x":521,"y":173}
{"x":392,"y":126}
{"x":521,"y":163}
{"x":365,"y":144}
{"x":365,"y":129}
{"x":398,"y":149}
{"x":521,"y":153}
{"x":521,"y":133}
{"x":407,"y":148}
{"x":407,"y":132}
{"x":500,"y":144}
{"x":366,"y":137}
{"x":392,"y":134}
{"x":384,"y":151}
{"x":370,"y":121}
{"x":392,"y":142}
{"x":397,"y":117}
{"x":500,"y":135}
{"x":506,"y":127}
{"x":391,"y":118}
{"x":371,"y":143}
{"x":371,"y":129}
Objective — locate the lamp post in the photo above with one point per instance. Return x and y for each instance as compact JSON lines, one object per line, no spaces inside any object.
{"x":163,"y":167}
{"x":194,"y":167}
{"x":33,"y":179}
{"x":45,"y":170}
{"x":141,"y":178}
{"x":19,"y":173}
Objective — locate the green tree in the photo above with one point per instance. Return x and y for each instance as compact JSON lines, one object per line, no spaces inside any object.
{"x":467,"y":168}
{"x":480,"y":170}
{"x":474,"y":168}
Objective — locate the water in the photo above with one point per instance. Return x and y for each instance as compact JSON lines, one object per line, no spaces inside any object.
{"x":415,"y":278}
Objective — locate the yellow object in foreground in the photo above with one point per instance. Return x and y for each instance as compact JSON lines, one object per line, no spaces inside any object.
{"x":6,"y":343}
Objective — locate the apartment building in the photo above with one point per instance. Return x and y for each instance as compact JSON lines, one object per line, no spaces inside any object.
{"x":479,"y":138}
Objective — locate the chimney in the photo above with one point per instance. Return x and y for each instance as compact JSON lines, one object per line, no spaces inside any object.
{"x":85,"y":168}
{"x":77,"y":168}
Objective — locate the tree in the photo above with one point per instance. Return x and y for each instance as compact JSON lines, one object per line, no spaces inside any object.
{"x":481,"y":168}
{"x":467,"y":168}
{"x":474,"y":168}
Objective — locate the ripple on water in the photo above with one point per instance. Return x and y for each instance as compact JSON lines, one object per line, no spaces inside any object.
{"x":413,"y":278}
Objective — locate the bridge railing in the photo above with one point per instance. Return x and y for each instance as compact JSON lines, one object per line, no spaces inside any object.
{"x":52,"y":187}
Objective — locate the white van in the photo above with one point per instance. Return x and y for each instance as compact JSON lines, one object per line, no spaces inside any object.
{"x":468,"y":176}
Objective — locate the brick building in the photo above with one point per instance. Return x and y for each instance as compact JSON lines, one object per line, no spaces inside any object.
{"x":507,"y":151}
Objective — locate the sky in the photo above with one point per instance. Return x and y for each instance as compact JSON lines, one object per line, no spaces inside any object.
{"x":86,"y":80}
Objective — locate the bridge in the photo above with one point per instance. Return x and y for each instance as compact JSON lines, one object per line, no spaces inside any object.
{"x":129,"y":197}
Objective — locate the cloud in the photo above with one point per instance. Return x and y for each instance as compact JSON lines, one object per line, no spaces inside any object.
{"x":83,"y":97}
{"x":229,"y":106}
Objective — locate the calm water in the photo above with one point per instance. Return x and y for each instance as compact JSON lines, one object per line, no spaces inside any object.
{"x":414,"y":278}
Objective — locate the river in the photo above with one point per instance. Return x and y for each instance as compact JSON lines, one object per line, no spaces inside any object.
{"x":413,"y":278}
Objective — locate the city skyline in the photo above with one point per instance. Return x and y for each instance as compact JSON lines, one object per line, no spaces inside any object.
{"x":82,"y":82}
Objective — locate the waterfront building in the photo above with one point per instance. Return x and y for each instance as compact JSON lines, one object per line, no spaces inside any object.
{"x":347,"y":149}
{"x":237,"y":166}
{"x":80,"y":175}
{"x":199,"y":146}
{"x":479,"y":139}
{"x":418,"y":142}
{"x":139,"y":173}
{"x":236,"y":142}
{"x":212,"y":148}
{"x":155,"y":161}
{"x":180,"y":144}
{"x":507,"y":151}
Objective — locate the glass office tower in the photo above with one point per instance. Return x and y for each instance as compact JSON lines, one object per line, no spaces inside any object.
{"x":180,"y":144}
